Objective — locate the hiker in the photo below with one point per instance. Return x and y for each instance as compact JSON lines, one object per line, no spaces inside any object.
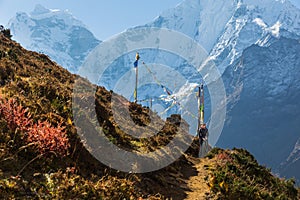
{"x":203,"y":133}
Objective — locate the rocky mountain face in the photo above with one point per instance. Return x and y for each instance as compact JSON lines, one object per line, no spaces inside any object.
{"x":56,"y":33}
{"x":262,"y":88}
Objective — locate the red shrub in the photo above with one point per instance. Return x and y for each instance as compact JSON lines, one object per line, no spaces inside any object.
{"x":49,"y":138}
{"x":15,"y":115}
{"x":45,"y":137}
{"x":224,"y":156}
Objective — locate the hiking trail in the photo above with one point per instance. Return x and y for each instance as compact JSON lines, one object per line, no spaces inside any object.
{"x":197,"y":185}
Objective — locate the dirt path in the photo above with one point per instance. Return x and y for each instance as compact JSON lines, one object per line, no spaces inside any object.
{"x":197,"y":184}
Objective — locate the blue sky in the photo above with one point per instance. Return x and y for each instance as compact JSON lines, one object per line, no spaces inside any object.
{"x":103,"y":17}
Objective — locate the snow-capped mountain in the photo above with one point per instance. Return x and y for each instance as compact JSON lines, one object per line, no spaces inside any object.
{"x":226,"y":27}
{"x":56,"y":33}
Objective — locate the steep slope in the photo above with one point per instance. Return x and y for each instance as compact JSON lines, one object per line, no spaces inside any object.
{"x":56,"y":33}
{"x":45,"y":89}
{"x":263,"y":92}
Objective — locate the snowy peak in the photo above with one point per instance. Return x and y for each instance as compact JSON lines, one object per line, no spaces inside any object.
{"x":202,"y":20}
{"x":226,"y":27}
{"x":273,"y":11}
{"x":39,"y":9}
{"x":278,"y":14}
{"x":56,"y":33}
{"x":274,"y":30}
{"x":254,"y":22}
{"x":41,"y":12}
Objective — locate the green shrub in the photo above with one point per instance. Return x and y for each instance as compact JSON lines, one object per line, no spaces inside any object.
{"x":238,"y":175}
{"x":66,"y":185}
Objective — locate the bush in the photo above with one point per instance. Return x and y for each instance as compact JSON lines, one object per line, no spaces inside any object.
{"x":48,"y":138}
{"x":238,"y":175}
{"x":66,"y":185}
{"x":42,"y":134}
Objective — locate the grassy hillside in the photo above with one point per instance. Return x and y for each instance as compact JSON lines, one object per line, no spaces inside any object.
{"x":42,"y":157}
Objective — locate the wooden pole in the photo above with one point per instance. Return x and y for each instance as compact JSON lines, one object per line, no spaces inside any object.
{"x":136,"y":84}
{"x":200,"y":96}
{"x":201,"y":105}
{"x":137,"y":57}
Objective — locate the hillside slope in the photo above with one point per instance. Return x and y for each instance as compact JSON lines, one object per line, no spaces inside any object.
{"x":31,"y":81}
